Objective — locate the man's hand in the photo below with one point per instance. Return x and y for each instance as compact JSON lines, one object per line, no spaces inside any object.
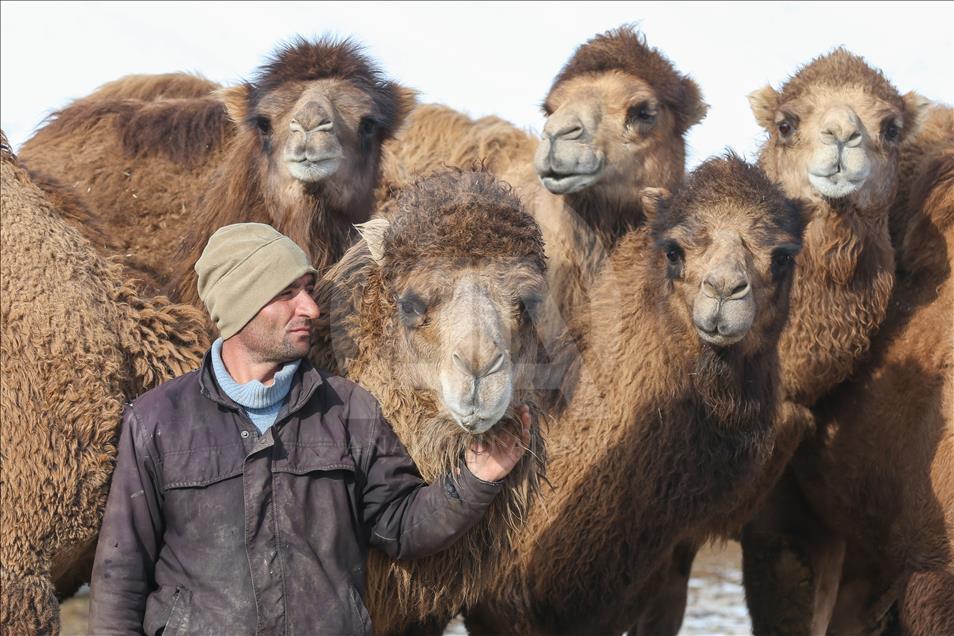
{"x":493,"y":462}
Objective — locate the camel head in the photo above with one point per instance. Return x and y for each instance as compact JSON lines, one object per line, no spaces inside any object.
{"x":617,"y":115}
{"x":835,"y":130}
{"x":455,"y":275}
{"x":318,"y":113}
{"x":726,"y":241}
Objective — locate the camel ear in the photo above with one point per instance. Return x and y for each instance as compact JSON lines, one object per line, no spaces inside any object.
{"x":405,"y":101}
{"x":373,"y":234}
{"x":653,"y":200}
{"x":916,"y":108}
{"x":235,"y":99}
{"x":764,"y":103}
{"x":693,"y":108}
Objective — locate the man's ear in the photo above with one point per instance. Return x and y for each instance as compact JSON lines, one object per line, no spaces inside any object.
{"x":764,"y":103}
{"x":373,"y":234}
{"x":654,"y":200}
{"x":235,"y":99}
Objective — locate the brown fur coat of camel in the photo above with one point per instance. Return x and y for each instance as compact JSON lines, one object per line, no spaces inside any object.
{"x":669,"y":407}
{"x":443,"y":288}
{"x":77,"y":340}
{"x":878,"y":474}
{"x":297,"y":147}
{"x":835,"y":131}
{"x":617,"y":116}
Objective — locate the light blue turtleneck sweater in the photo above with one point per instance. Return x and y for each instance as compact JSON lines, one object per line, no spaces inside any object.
{"x":261,"y":403}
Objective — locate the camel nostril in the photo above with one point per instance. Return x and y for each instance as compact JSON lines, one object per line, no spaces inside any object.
{"x":495,"y":365}
{"x":739,"y":290}
{"x":460,"y":364}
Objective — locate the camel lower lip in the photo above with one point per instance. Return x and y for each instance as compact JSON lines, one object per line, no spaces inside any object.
{"x":568,"y":183}
{"x":718,"y":339}
{"x":311,"y":171}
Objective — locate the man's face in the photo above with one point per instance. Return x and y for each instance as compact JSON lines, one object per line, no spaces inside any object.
{"x":281,"y":331}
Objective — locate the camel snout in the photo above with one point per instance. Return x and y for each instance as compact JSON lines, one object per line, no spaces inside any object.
{"x":477,"y":396}
{"x":724,"y":320}
{"x":840,"y":163}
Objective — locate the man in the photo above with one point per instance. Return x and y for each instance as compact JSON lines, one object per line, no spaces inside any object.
{"x":246,"y":493}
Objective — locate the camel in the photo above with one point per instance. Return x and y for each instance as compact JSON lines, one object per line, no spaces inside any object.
{"x":77,"y":341}
{"x":669,"y":408}
{"x":297,"y":147}
{"x":834,"y":135}
{"x":617,"y":116}
{"x":440,"y":294}
{"x":876,"y":476}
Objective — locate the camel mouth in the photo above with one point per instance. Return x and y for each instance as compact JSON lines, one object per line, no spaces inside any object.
{"x":568,"y":183}
{"x":311,"y":171}
{"x":478,"y":421}
{"x":836,"y":185}
{"x":720,"y":340}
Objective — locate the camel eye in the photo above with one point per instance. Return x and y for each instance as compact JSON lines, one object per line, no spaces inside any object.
{"x":642,"y":113}
{"x":674,"y":258}
{"x":891,"y":131}
{"x":263,"y":124}
{"x":411,"y":310}
{"x":527,"y":307}
{"x":785,"y":128}
{"x":782,"y":261}
{"x":367,"y":126}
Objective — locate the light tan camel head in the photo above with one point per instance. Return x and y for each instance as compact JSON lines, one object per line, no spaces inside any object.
{"x":453,"y":282}
{"x":320,"y":110}
{"x":616,"y":118}
{"x":835,"y":129}
{"x":726,"y":243}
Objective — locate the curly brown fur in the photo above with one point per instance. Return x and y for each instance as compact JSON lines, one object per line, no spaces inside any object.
{"x":842,"y":303}
{"x":77,"y":341}
{"x":439,"y":226}
{"x":656,"y":413}
{"x":625,"y":49}
{"x":878,"y":472}
{"x":165,"y":171}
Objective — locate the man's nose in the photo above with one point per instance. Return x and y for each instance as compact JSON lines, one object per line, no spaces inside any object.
{"x":306,"y":305}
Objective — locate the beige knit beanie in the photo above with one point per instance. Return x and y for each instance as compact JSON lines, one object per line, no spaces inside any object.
{"x":244,"y":266}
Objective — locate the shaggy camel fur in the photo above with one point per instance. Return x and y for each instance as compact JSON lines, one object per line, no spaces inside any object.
{"x":835,"y":131}
{"x":673,"y":388}
{"x":617,"y":114}
{"x":297,"y":147}
{"x":879,"y":473}
{"x":77,"y":340}
{"x":874,"y":486}
{"x":151,"y":87}
{"x":453,"y":276}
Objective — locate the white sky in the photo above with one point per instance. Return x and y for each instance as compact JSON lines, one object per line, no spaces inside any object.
{"x":476,"y":57}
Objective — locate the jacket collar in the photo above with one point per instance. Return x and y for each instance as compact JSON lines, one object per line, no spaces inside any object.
{"x":306,"y":381}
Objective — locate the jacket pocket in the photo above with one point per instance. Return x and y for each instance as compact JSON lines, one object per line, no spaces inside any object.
{"x":304,"y":459}
{"x":168,"y":611}
{"x":199,"y":467}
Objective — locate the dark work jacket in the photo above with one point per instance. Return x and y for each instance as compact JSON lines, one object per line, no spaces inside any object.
{"x":213,"y":528}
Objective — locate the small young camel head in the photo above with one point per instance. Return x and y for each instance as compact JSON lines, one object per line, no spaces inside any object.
{"x":461,"y":273}
{"x":726,"y":241}
{"x":835,"y":129}
{"x":616,"y":118}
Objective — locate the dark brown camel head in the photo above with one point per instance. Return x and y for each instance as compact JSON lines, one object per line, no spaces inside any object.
{"x":726,"y":241}
{"x":319,"y":112}
{"x":617,"y":115}
{"x":835,"y":130}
